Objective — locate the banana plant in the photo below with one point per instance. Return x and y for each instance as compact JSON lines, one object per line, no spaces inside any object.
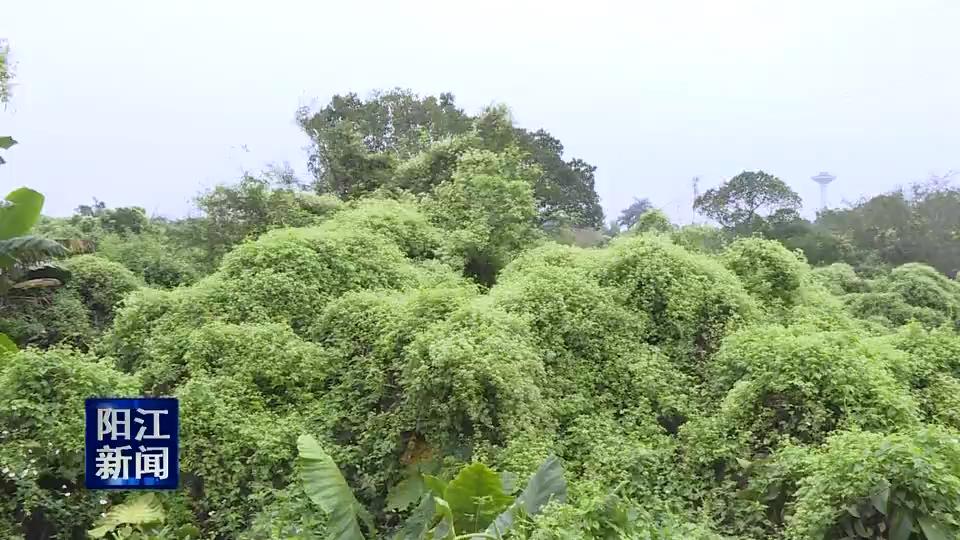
{"x":23,"y":256}
{"x":475,"y":504}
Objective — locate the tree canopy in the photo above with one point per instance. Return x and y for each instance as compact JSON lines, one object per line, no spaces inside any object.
{"x":359,"y":144}
{"x":747,"y":201}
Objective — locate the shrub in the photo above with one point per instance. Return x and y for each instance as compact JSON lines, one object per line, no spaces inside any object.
{"x":42,"y":397}
{"x":46,"y":318}
{"x":400,"y":221}
{"x":488,"y":212}
{"x":290,"y":274}
{"x":869,"y":483}
{"x":699,"y":238}
{"x":794,"y":384}
{"x":150,"y":257}
{"x":654,"y":221}
{"x":928,"y":352}
{"x":840,"y":278}
{"x":599,"y":513}
{"x":592,"y":345}
{"x":890,"y":309}
{"x":940,"y":401}
{"x":767,"y":269}
{"x":222,"y":425}
{"x":286,"y":514}
{"x":151,"y":329}
{"x":555,"y":255}
{"x":101,"y":284}
{"x":268,"y":359}
{"x":921,"y":286}
{"x":692,"y":301}
{"x":365,"y":334}
{"x":472,"y":378}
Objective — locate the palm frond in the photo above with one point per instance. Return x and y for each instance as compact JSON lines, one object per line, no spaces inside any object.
{"x":27,"y":251}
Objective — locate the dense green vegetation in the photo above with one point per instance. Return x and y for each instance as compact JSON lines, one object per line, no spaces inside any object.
{"x":437,"y":321}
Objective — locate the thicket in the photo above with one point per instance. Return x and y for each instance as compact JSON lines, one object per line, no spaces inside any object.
{"x":423,"y":347}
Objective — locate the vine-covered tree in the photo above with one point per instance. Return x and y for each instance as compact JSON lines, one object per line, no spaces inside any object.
{"x":631,"y":214}
{"x":358,"y":145}
{"x":742,"y":203}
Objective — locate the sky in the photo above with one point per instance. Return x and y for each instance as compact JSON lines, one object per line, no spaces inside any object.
{"x":147,"y":102}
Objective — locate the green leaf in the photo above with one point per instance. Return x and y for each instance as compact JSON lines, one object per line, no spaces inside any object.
{"x":7,"y":141}
{"x":21,"y":213}
{"x":434,"y":484}
{"x":188,"y":531}
{"x":405,"y":492}
{"x":31,"y":249}
{"x":861,"y":531}
{"x":934,"y":530}
{"x":476,"y":497}
{"x":20,"y":253}
{"x":545,"y":485}
{"x":7,"y":346}
{"x":419,"y":521}
{"x":853,"y":510}
{"x":325,"y":486}
{"x":880,"y":498}
{"x":901,"y":524}
{"x":444,"y":528}
{"x":141,"y":510}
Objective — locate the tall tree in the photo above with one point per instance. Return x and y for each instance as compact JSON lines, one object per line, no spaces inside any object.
{"x":360,"y":146}
{"x":742,"y":204}
{"x":631,"y":214}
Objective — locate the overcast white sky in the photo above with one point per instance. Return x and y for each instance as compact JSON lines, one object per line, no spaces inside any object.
{"x":147,"y":102}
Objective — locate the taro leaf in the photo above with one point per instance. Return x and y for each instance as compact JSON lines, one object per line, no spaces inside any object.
{"x":20,"y":213}
{"x":934,"y":530}
{"x":143,"y":509}
{"x":444,"y":530}
{"x":7,"y":346}
{"x":325,"y":486}
{"x":848,"y":528}
{"x":7,"y":141}
{"x":901,"y":524}
{"x":405,"y":492}
{"x":418,"y":523}
{"x":545,"y":485}
{"x":434,"y":485}
{"x":880,"y":497}
{"x":476,"y":497}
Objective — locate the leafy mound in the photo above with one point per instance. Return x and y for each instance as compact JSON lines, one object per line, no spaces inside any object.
{"x":692,"y":300}
{"x":798,"y":385}
{"x":41,"y":442}
{"x":874,"y":485}
{"x":768,"y":271}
